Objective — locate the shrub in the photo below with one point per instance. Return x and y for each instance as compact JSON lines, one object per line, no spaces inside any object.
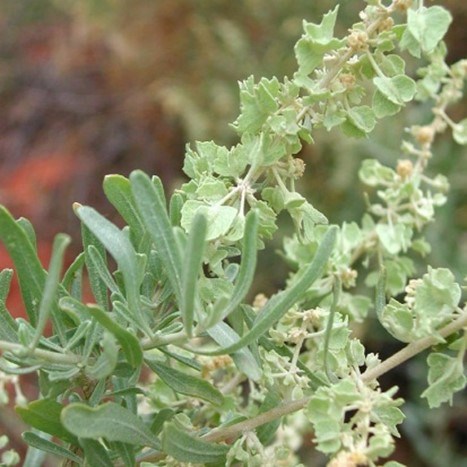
{"x":171,"y":363}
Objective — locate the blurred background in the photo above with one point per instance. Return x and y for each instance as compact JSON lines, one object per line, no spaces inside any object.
{"x":106,"y":86}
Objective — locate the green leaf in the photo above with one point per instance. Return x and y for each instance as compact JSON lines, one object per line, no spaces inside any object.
{"x":31,"y":275}
{"x":394,"y":238}
{"x":315,"y":42}
{"x":193,"y":262}
{"x":98,"y":286}
{"x":445,"y":377}
{"x":38,"y":442}
{"x":95,"y":454}
{"x":130,"y":343}
{"x":120,"y":247}
{"x":398,"y":89}
{"x":225,"y":336}
{"x":153,"y":211}
{"x":9,"y":327}
{"x":110,"y":421}
{"x":99,"y":265}
{"x":362,"y":117}
{"x":428,"y":26}
{"x":257,"y":103}
{"x":247,"y":266}
{"x":118,"y":191}
{"x":267,"y":431}
{"x":185,"y":448}
{"x":324,"y":32}
{"x":383,"y":107}
{"x":397,"y":320}
{"x":459,"y":132}
{"x":107,"y":359}
{"x":49,"y":296}
{"x":219,"y":218}
{"x":184,"y":383}
{"x":279,"y":304}
{"x":44,"y":415}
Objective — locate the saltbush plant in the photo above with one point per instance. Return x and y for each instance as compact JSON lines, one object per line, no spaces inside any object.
{"x":171,"y":362}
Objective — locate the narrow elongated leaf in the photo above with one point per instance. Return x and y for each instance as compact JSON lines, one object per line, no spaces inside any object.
{"x":95,"y":454}
{"x":129,"y":343}
{"x":98,"y":286}
{"x":248,"y":265}
{"x":162,"y":416}
{"x":73,"y":277}
{"x":194,"y":258}
{"x":107,"y":360}
{"x":110,"y":421}
{"x":118,"y":191}
{"x":49,"y":296}
{"x":185,"y":448}
{"x":38,"y":442}
{"x":125,"y":452}
{"x":44,"y":415}
{"x":315,"y":381}
{"x":31,"y":275}
{"x":151,"y":205}
{"x":175,"y":209}
{"x":243,"y":358}
{"x":266,"y":432}
{"x":186,"y":384}
{"x":8,"y":327}
{"x":120,"y":247}
{"x":380,"y":296}
{"x":99,"y":265}
{"x":278,"y":305}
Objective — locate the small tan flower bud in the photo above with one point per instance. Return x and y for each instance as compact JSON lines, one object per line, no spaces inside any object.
{"x":357,"y":40}
{"x":386,"y":24}
{"x":404,"y":168}
{"x":424,"y":134}
{"x":348,"y":80}
{"x":259,"y":301}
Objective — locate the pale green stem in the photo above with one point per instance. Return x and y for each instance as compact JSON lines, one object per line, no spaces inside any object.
{"x":395,"y":360}
{"x":158,"y":341}
{"x":47,"y":355}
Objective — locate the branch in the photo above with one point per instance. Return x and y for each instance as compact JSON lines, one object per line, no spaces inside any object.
{"x":395,"y":360}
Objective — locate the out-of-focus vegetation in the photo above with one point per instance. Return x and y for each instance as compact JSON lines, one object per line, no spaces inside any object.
{"x":100,"y":86}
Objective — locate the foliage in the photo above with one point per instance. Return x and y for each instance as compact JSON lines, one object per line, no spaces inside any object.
{"x":223,"y":371}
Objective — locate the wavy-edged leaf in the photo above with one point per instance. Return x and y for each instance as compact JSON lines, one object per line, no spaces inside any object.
{"x":129,"y":343}
{"x":186,"y":384}
{"x":38,"y":442}
{"x":278,"y":305}
{"x":152,"y":208}
{"x":193,"y":262}
{"x":44,"y":415}
{"x":9,"y":327}
{"x":110,"y":421}
{"x":186,"y":448}
{"x":31,"y":275}
{"x":49,"y":295}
